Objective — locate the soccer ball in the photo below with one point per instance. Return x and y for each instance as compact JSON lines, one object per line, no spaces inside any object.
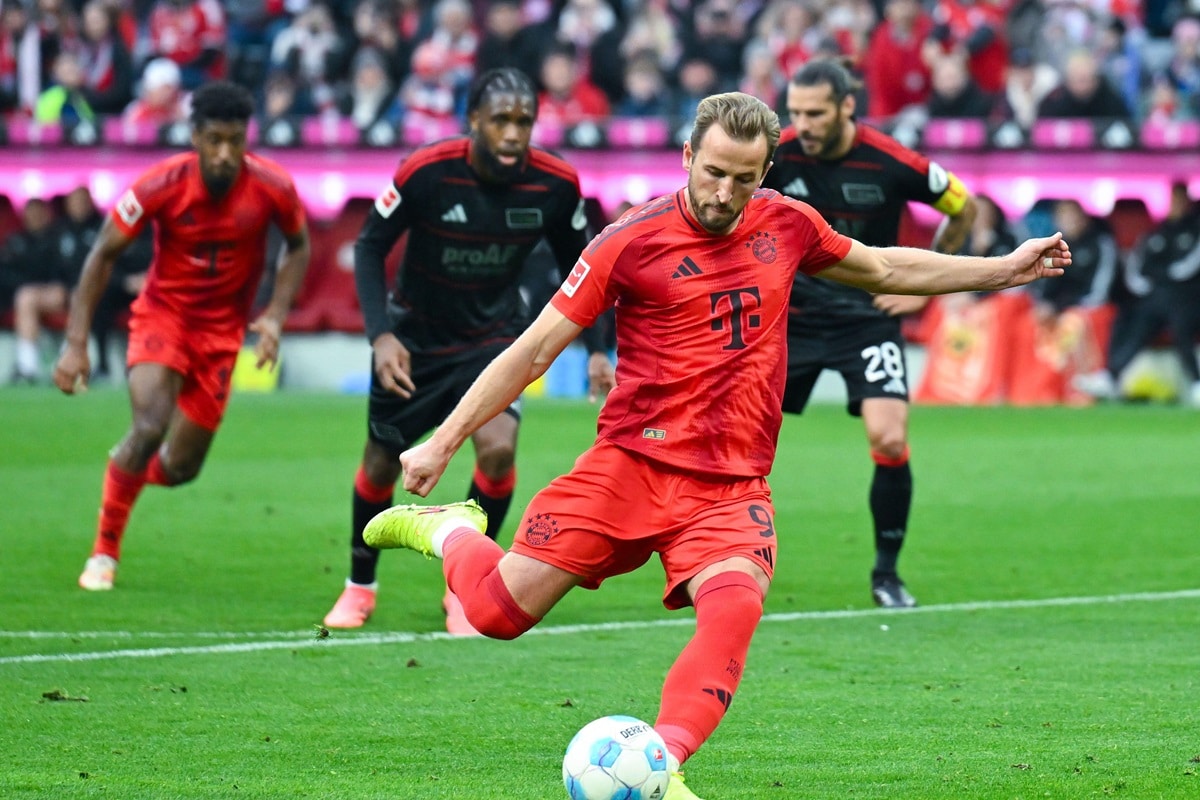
{"x":616,"y":758}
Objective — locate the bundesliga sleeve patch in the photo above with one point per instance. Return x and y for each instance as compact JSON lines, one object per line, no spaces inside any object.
{"x":388,"y":201}
{"x":129,"y":209}
{"x":575,"y":279}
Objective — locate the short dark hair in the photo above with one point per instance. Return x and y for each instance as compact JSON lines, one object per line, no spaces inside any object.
{"x":831,"y":72}
{"x":223,"y":101}
{"x":743,"y":117}
{"x":502,"y":79}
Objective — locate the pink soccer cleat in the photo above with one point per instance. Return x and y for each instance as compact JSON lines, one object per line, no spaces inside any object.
{"x":353,"y":608}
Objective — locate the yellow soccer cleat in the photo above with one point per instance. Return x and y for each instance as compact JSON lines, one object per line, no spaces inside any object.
{"x":677,"y":790}
{"x":413,"y":526}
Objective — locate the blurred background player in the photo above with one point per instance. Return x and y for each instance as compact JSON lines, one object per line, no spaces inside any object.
{"x":1162,"y":282}
{"x":31,"y":279}
{"x":474,"y":207}
{"x":860,"y":180}
{"x":213,"y":206}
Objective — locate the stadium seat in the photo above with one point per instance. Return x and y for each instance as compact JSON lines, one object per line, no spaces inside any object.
{"x":638,"y":132}
{"x":417,"y":129}
{"x":27,"y":132}
{"x":1063,"y":134}
{"x":328,"y":131}
{"x":955,"y":134}
{"x":1171,"y":135}
{"x":119,"y":131}
{"x":549,"y":134}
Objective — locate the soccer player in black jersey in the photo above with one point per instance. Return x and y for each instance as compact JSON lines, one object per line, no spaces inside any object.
{"x":860,"y":180}
{"x":473,"y":207}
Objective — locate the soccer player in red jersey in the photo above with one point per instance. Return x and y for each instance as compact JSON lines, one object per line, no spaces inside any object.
{"x":212,"y":209}
{"x":700,"y":281}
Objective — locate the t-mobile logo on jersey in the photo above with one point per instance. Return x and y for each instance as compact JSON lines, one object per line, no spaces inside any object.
{"x":742,"y":305}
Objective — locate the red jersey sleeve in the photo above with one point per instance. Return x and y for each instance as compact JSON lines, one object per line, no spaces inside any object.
{"x":145,"y":198}
{"x":821,"y":245}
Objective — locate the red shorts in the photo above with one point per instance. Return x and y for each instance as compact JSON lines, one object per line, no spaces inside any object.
{"x":615,"y":509}
{"x":205,"y":359}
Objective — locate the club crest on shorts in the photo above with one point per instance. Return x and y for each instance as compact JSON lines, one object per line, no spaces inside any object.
{"x":539,"y":528}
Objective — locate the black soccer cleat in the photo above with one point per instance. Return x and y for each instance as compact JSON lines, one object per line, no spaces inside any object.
{"x":888,"y":591}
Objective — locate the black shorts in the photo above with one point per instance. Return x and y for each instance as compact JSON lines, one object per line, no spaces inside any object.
{"x":869,"y":354}
{"x":441,"y":381}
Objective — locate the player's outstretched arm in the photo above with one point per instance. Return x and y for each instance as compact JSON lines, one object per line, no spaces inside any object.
{"x":907,"y":270}
{"x":73,"y":367}
{"x":500,"y":383}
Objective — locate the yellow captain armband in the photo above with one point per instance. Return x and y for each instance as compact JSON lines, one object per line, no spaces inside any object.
{"x":955,"y":195}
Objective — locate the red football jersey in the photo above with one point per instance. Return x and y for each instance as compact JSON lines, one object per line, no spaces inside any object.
{"x":209,"y":255}
{"x":701,"y":327}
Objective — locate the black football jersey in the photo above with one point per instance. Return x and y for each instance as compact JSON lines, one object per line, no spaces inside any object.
{"x":458,"y":282}
{"x":862,"y":195}
{"x":1173,"y":240}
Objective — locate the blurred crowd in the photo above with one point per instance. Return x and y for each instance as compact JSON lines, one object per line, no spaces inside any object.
{"x":371,"y":60}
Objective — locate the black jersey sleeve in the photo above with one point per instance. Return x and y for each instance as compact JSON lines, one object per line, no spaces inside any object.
{"x":384,"y":224}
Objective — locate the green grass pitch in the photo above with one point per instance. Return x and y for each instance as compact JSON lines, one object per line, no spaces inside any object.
{"x":1056,"y":653}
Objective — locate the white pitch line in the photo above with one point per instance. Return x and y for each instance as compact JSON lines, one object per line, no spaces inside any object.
{"x":307,"y":639}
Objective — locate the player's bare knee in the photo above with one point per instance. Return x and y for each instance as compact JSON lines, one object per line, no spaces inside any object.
{"x":184,"y":472}
{"x":889,"y":444}
{"x":382,"y":467}
{"x":144,"y":438}
{"x":496,"y":461}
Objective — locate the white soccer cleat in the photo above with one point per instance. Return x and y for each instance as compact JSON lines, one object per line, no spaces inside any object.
{"x":1194,"y":395}
{"x":1098,"y":384}
{"x":98,"y":573}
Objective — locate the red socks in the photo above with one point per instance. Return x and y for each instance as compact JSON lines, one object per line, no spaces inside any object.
{"x":369,"y":491}
{"x":121,"y":490}
{"x":495,"y":489}
{"x":701,"y":683}
{"x":887,"y":461}
{"x":155,"y":474}
{"x":469,"y":562}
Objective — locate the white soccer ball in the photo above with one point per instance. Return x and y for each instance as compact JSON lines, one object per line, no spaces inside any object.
{"x":616,"y":758}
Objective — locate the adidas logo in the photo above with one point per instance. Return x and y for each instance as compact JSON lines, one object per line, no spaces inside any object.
{"x":723,"y":697}
{"x":687,"y":269}
{"x":797,"y":188}
{"x":895,"y":386}
{"x":456,"y":214}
